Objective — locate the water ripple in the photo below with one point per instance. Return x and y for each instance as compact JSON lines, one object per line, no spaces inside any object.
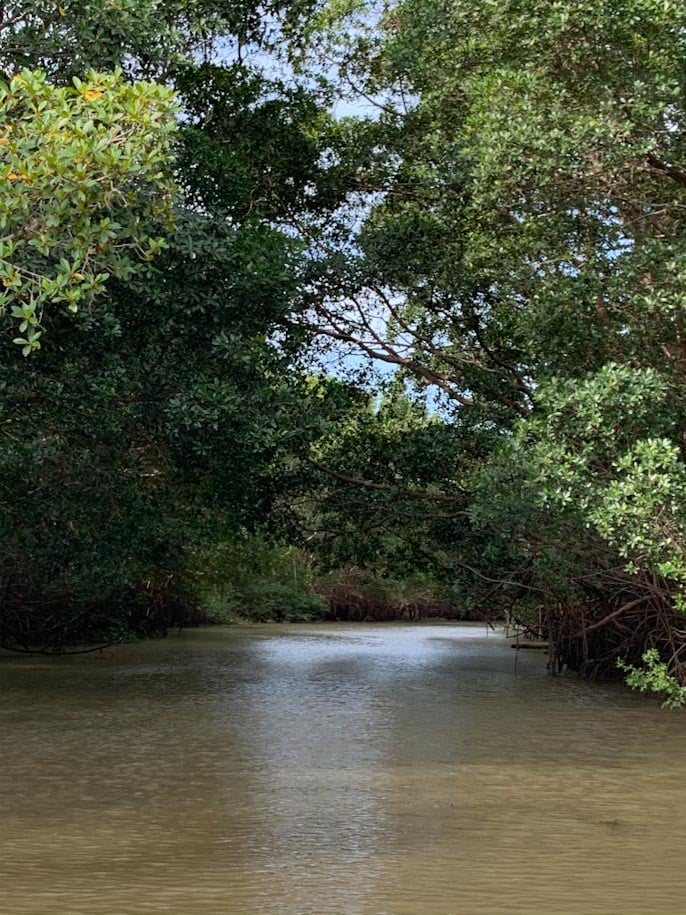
{"x":333,"y":770}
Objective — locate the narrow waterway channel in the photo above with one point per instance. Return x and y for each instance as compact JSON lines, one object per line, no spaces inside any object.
{"x":333,"y":770}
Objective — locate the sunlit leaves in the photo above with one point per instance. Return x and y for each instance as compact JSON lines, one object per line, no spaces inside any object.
{"x":85,"y":189}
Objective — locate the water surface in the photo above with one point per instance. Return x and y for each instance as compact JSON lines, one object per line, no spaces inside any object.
{"x":333,"y":770}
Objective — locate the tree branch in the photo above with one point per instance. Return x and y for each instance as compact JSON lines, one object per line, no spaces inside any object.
{"x":421,"y":495}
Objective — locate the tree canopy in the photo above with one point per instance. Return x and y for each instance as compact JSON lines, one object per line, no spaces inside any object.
{"x":489,"y":242}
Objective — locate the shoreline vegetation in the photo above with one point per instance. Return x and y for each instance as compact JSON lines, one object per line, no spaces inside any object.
{"x":149,"y":612}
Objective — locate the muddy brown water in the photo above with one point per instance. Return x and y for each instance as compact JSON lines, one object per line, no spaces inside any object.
{"x":334,"y":770}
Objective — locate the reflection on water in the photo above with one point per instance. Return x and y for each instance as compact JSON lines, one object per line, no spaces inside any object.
{"x":333,"y":770}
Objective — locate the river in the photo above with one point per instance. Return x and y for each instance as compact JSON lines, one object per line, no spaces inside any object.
{"x":334,"y":770}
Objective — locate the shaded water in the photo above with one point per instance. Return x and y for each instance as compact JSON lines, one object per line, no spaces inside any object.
{"x":333,"y":770}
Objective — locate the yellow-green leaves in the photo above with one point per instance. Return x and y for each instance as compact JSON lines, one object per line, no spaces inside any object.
{"x":85,"y":189}
{"x":654,"y":677}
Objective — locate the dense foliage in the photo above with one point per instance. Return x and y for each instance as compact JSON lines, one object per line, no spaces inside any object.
{"x":150,"y":426}
{"x":521,"y":253}
{"x":438,"y":344}
{"x":86,"y":182}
